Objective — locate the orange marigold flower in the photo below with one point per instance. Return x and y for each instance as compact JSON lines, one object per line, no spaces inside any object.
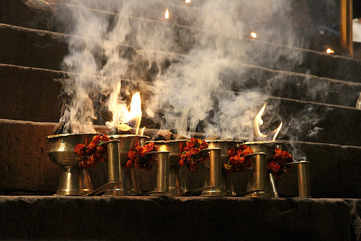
{"x":274,"y":167}
{"x":78,"y":149}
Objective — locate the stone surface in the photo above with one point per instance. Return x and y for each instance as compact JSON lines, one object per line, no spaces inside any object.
{"x":39,"y":15}
{"x":24,"y":163}
{"x":152,"y":218}
{"x":29,"y":94}
{"x":31,"y":48}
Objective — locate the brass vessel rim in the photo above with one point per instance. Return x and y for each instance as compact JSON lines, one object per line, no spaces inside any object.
{"x":263,"y":142}
{"x":157,"y":152}
{"x":167,"y":141}
{"x":213,"y":149}
{"x":298,"y":162}
{"x":120,"y":136}
{"x":256,"y":153}
{"x":71,"y":134}
{"x":225,"y":141}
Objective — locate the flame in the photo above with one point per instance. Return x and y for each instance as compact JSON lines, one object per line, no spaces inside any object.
{"x":253,"y":35}
{"x":330,"y":51}
{"x":188,"y":1}
{"x":166,"y":14}
{"x":122,"y":116}
{"x":142,"y":131}
{"x":258,"y":122}
{"x":136,"y":111}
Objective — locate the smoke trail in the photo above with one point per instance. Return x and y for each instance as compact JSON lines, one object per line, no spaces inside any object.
{"x":206,"y":89}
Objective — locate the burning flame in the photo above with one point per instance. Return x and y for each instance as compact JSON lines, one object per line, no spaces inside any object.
{"x":253,"y":35}
{"x":166,"y":14}
{"x":330,"y":51}
{"x":258,"y":122}
{"x":122,"y":116}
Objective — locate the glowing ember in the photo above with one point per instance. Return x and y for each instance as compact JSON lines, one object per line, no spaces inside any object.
{"x":258,"y":122}
{"x":330,"y":51}
{"x":122,"y":116}
{"x":253,"y":35}
{"x":166,"y":14}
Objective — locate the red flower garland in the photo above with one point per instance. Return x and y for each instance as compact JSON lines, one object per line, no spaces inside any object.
{"x":138,"y":157}
{"x":277,"y":165}
{"x":237,"y":159}
{"x":92,"y":153}
{"x":192,"y":154}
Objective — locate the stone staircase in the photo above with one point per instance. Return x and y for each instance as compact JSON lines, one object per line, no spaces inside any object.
{"x":33,"y":44}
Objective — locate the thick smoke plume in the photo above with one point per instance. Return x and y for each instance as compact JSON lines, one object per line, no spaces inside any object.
{"x":206,"y":88}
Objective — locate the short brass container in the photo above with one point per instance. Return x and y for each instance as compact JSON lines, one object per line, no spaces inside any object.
{"x":73,"y":181}
{"x":303,"y":175}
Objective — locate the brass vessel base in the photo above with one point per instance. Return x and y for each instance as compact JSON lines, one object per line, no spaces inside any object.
{"x":213,"y":192}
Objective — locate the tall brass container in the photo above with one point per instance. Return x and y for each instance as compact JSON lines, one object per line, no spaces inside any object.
{"x":161,"y":165}
{"x":121,"y":180}
{"x":173,"y":148}
{"x":73,"y":181}
{"x":259,"y":183}
{"x":214,"y":184}
{"x":226,"y":180}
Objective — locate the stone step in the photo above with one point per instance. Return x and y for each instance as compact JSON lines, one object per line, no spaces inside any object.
{"x":178,"y":219}
{"x":29,"y":93}
{"x":32,"y":48}
{"x":40,"y":99}
{"x":38,"y":15}
{"x":26,"y":168}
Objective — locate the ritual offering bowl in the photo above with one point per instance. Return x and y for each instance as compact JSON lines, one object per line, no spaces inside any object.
{"x":73,"y":179}
{"x":121,"y":179}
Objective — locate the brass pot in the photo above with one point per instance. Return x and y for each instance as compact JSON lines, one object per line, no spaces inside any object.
{"x":73,"y":180}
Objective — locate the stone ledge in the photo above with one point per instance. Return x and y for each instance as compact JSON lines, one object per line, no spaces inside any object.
{"x":176,"y":219}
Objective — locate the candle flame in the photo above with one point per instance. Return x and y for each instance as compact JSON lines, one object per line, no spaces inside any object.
{"x":166,"y":14}
{"x":258,"y":121}
{"x":330,"y":51}
{"x":122,"y":115}
{"x":253,"y":35}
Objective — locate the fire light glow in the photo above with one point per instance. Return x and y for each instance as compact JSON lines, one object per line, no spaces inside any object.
{"x":122,"y":116}
{"x":166,"y":14}
{"x":253,"y":35}
{"x":258,"y":122}
{"x":330,"y":51}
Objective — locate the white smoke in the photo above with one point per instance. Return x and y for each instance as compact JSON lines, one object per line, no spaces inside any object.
{"x":193,"y":91}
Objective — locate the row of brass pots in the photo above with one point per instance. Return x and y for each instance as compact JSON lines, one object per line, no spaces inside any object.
{"x":209,"y":180}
